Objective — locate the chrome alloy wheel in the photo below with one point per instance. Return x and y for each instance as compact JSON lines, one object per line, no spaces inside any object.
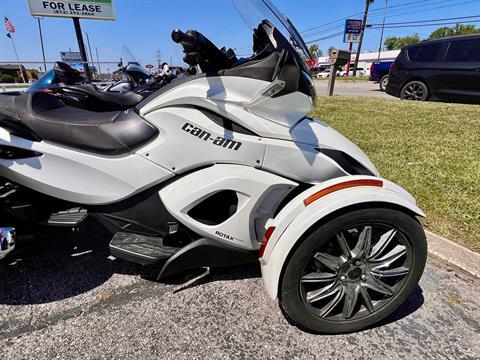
{"x":356,"y":272}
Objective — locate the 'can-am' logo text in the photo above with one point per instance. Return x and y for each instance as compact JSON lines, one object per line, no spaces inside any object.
{"x":206,"y":136}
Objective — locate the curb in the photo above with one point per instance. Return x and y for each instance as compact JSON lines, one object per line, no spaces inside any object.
{"x":453,"y":254}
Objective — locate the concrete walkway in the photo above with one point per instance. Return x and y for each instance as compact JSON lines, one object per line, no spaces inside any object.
{"x":353,"y":88}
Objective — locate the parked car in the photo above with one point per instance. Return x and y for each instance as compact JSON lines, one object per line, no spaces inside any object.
{"x":314,"y":70}
{"x":360,"y":72}
{"x":446,"y":69}
{"x":325,"y":74}
{"x":379,"y":73}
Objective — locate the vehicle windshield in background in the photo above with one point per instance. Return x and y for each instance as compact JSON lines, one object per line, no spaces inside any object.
{"x":44,"y":82}
{"x":128,"y":57}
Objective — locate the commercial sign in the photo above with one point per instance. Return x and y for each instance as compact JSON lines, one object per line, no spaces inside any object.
{"x":71,"y":56}
{"x":85,"y":9}
{"x":352,"y":32}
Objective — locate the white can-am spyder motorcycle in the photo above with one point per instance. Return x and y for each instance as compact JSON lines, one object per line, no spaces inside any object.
{"x":222,"y":168}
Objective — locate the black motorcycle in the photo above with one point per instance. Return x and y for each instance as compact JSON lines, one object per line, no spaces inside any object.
{"x":70,"y":86}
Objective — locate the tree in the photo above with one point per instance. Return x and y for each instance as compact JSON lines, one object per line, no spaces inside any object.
{"x":330,"y":48}
{"x":315,"y":50}
{"x":394,"y":43}
{"x":456,"y":30}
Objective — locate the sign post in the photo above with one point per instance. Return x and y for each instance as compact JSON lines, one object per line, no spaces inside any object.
{"x":337,"y":58}
{"x":75,"y":9}
{"x":81,"y":47}
{"x":353,"y":28}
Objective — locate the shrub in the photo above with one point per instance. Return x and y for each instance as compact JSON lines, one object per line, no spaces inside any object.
{"x":6,"y":78}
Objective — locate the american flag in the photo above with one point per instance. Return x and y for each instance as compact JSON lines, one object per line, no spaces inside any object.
{"x":9,"y":26}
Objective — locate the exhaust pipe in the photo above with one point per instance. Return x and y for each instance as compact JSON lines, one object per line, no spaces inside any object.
{"x":7,"y":241}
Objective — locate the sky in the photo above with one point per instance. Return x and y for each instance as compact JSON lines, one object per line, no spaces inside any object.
{"x":144,"y":26}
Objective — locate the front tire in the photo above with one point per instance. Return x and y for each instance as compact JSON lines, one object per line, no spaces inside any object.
{"x":383,"y":83}
{"x":353,"y":271}
{"x":414,"y":90}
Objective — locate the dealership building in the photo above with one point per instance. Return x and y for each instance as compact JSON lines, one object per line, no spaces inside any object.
{"x":366,"y":59}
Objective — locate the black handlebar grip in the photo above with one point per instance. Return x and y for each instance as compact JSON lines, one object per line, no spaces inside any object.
{"x":181,"y":38}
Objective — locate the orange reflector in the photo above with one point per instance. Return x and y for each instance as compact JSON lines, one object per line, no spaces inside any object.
{"x":266,"y":237}
{"x":343,"y":185}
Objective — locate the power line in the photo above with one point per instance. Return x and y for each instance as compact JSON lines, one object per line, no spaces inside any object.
{"x":435,"y":8}
{"x":325,"y":37}
{"x":361,"y":13}
{"x":424,"y":21}
{"x":407,"y":24}
{"x":432,"y":24}
{"x":396,"y":14}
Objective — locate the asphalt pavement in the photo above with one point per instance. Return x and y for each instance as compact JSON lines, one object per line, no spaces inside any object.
{"x":74,"y":302}
{"x":353,"y":88}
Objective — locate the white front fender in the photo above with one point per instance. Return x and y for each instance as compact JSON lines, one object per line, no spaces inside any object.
{"x":296,"y":217}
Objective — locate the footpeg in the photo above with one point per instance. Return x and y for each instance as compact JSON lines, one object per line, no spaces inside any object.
{"x":140,"y":249}
{"x":7,"y":189}
{"x":7,"y":241}
{"x":70,"y":217}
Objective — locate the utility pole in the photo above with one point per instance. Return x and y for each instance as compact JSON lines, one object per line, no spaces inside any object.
{"x":383,"y":28}
{"x":360,"y":40}
{"x":41,"y":42}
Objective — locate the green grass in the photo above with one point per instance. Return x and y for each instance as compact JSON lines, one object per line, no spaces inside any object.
{"x":15,"y":86}
{"x":431,"y":149}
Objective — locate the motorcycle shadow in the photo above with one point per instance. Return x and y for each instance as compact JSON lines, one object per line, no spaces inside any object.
{"x":64,"y":269}
{"x":193,"y":279}
{"x":58,"y":268}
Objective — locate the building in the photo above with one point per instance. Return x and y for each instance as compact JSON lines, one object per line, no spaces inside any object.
{"x":366,"y":59}
{"x":13,"y":70}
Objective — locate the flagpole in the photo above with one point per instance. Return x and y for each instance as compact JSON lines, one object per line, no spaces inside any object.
{"x":18,"y":60}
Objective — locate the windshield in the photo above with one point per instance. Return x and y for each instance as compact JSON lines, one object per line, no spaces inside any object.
{"x":128,"y":57}
{"x":44,"y":82}
{"x":254,"y":12}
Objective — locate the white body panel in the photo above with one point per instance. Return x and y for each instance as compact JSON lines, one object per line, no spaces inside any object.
{"x":234,"y":98}
{"x":187,"y":140}
{"x":258,"y":195}
{"x":77,"y":176}
{"x":296,"y":218}
{"x":287,"y":143}
{"x":315,"y":132}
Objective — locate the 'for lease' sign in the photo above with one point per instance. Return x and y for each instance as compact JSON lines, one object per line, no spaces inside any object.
{"x":87,"y":9}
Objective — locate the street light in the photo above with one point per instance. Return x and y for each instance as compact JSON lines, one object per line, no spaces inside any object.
{"x":383,"y":27}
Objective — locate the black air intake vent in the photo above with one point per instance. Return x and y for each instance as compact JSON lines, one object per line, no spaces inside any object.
{"x":348,"y":163}
{"x":215,"y":209}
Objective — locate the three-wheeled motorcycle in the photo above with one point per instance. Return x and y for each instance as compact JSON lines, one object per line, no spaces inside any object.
{"x":221,"y":168}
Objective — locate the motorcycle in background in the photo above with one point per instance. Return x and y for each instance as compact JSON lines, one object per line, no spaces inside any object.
{"x":135,"y":84}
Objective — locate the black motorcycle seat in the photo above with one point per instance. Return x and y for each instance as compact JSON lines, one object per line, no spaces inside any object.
{"x":112,"y":100}
{"x":108,"y":133}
